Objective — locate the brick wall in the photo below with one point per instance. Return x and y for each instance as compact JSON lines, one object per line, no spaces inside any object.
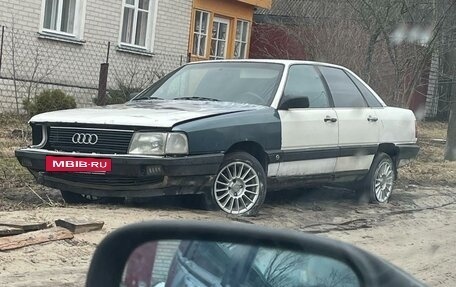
{"x":78,"y":64}
{"x":102,"y":21}
{"x":165,"y":254}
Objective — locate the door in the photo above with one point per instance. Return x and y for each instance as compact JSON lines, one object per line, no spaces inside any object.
{"x":309,"y":135}
{"x":219,"y":40}
{"x":359,"y":127}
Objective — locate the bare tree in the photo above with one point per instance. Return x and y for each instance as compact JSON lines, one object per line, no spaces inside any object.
{"x":29,"y":67}
{"x":282,"y":265}
{"x":13,"y":59}
{"x":135,"y":77}
{"x":390,"y":43}
{"x":449,"y":69}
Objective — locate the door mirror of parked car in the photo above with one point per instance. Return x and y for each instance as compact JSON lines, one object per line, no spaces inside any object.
{"x":190,"y":253}
{"x":294,"y":103}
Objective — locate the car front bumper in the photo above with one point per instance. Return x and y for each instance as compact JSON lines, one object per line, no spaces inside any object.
{"x":130,"y":176}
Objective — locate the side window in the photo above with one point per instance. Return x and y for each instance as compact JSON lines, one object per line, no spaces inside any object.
{"x":63,"y":17}
{"x":370,"y":98}
{"x":304,"y":81}
{"x":344,"y":92}
{"x":136,"y":29}
{"x":200,"y":33}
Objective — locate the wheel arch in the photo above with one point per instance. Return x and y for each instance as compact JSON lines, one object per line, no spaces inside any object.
{"x":392,"y":150}
{"x":253,"y":148}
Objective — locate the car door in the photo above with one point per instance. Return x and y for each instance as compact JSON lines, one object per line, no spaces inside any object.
{"x":309,"y":135}
{"x":359,"y":127}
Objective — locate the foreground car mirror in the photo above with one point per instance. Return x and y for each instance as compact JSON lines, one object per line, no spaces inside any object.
{"x":295,"y":103}
{"x":189,"y":253}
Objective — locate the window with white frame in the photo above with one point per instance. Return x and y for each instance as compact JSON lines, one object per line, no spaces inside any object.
{"x":136,"y":23}
{"x":200,"y":33}
{"x":62,"y":17}
{"x":219,"y":39}
{"x":240,"y":44}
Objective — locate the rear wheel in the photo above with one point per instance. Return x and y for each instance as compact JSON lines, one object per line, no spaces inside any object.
{"x":379,"y":182}
{"x":240,"y":185}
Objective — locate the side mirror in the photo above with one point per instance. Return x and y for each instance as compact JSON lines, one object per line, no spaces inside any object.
{"x":295,"y":103}
{"x":192,"y":253}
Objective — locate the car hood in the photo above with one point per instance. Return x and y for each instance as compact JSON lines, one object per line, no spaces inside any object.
{"x":152,"y":113}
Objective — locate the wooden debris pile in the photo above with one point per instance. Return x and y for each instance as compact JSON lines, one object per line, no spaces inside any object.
{"x":16,"y":234}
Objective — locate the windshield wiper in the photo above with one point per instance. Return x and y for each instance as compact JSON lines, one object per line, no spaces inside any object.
{"x":148,"y":98}
{"x":196,"y":99}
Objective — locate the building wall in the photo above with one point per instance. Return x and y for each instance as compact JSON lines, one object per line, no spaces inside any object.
{"x":103,"y":19}
{"x":75,"y":67}
{"x":230,"y":10}
{"x":165,"y":253}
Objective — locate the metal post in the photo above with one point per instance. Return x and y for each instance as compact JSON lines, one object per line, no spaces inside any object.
{"x":1,"y":48}
{"x":103,"y":80}
{"x":102,"y":83}
{"x":107,"y":54}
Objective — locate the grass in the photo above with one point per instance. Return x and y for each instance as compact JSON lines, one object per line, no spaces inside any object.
{"x":12,"y":174}
{"x":430,"y":168}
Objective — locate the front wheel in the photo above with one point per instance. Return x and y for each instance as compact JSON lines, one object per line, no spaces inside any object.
{"x":379,"y":182}
{"x":240,"y":185}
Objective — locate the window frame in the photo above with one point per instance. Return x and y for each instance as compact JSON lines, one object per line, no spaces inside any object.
{"x":78,"y":24}
{"x":208,"y":26}
{"x":350,"y":80}
{"x":322,"y":79}
{"x":377,"y":104}
{"x":223,"y":20}
{"x":151,"y":25}
{"x":246,"y":42}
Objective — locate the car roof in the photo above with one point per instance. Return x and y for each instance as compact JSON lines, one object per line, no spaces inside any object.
{"x":291,"y":62}
{"x":274,"y":61}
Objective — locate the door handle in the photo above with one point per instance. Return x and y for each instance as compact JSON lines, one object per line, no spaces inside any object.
{"x":372,"y":119}
{"x":330,"y":119}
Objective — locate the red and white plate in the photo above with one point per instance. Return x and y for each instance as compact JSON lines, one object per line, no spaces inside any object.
{"x":78,"y":164}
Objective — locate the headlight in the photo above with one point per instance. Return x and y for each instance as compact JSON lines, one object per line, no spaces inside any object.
{"x":176,"y":144}
{"x":152,"y":143}
{"x":148,"y":143}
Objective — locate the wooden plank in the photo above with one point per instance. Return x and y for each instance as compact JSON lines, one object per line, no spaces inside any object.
{"x":34,"y":237}
{"x":79,"y":225}
{"x":26,"y":226}
{"x":7,"y":231}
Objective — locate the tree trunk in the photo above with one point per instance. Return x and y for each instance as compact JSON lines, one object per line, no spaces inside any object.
{"x":370,"y":52}
{"x":450,"y":151}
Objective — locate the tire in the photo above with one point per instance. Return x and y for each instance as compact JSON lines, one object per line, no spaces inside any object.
{"x":76,"y":198}
{"x":239,"y":187}
{"x":378,"y":184}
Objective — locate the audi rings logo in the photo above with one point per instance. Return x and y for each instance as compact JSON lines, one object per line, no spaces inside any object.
{"x":80,"y":138}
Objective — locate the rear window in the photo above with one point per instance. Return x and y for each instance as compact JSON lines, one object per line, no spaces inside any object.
{"x":345,"y":93}
{"x":370,"y":98}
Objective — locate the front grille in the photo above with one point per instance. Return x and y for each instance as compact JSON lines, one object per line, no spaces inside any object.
{"x":109,"y":141}
{"x":106,"y":179}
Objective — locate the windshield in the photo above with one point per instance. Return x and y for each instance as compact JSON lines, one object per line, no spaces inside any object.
{"x":250,"y":83}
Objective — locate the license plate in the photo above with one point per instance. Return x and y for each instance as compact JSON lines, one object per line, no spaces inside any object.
{"x":77,"y":164}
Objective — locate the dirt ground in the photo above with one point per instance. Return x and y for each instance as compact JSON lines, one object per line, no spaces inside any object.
{"x":415,"y":231}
